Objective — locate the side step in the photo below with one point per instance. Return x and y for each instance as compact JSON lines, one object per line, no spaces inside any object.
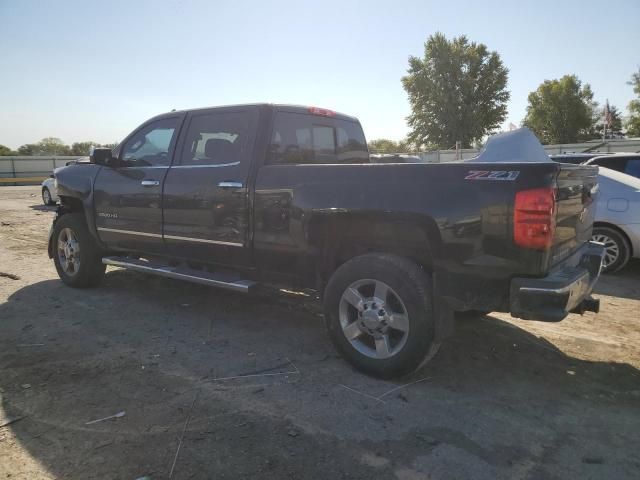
{"x":222,"y":280}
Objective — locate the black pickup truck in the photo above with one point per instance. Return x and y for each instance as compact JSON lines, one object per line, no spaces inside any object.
{"x":242,"y":195}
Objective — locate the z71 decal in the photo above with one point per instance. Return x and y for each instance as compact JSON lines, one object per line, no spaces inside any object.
{"x":508,"y":176}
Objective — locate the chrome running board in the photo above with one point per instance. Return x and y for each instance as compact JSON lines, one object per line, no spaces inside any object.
{"x":217,"y":279}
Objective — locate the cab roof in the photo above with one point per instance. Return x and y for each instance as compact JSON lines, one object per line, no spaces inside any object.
{"x":308,"y":110}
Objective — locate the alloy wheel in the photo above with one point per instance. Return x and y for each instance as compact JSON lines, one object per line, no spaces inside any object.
{"x":68,"y":251}
{"x":374,"y":318}
{"x":611,"y":249}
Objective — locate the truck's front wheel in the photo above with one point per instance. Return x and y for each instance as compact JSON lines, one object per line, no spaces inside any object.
{"x":75,"y":253}
{"x":379,"y":314}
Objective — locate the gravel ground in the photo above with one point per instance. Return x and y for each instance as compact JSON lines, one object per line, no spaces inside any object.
{"x":220,"y":385}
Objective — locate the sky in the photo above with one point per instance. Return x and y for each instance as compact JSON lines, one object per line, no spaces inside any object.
{"x":94,"y":70}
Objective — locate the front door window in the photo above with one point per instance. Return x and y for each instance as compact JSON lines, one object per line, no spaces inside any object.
{"x":150,"y":146}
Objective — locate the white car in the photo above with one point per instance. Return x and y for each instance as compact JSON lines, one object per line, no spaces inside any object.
{"x":617,"y":222}
{"x":49,"y":194}
{"x":628,"y":163}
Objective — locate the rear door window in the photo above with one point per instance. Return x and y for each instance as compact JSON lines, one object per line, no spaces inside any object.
{"x":216,"y":138}
{"x":324,"y":144}
{"x":309,"y":139}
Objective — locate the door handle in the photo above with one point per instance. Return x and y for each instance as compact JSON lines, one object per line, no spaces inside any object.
{"x":149,"y":183}
{"x":230,"y":184}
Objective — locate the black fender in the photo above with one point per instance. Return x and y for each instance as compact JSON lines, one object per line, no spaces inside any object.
{"x":74,"y":185}
{"x":338,"y":236}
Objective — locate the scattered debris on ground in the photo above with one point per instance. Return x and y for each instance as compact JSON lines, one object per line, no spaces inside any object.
{"x":250,"y":387}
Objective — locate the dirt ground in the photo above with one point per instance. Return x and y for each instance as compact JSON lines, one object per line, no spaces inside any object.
{"x":220,"y":385}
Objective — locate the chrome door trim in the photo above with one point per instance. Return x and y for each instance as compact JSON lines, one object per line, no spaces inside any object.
{"x":149,"y":167}
{"x":203,"y":240}
{"x":169,"y":237}
{"x":129,"y":232}
{"x":218,"y":165}
{"x":146,"y":167}
{"x":228,"y":184}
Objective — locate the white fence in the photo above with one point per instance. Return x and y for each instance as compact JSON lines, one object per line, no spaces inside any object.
{"x":29,"y":170}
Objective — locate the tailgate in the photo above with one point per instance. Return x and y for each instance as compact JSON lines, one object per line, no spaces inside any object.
{"x":576,"y":207}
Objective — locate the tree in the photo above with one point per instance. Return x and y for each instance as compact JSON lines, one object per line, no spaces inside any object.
{"x":55,"y":146}
{"x":6,"y":151}
{"x":457,"y":92}
{"x":615,"y":122}
{"x":633,"y":123}
{"x":382,"y":145}
{"x":46,"y":146}
{"x":597,"y":114}
{"x":27,"y":149}
{"x":52,"y":146}
{"x":82,"y":148}
{"x":562,"y":111}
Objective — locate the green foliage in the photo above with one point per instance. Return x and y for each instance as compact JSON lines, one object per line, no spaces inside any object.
{"x":616,"y":119}
{"x":46,"y":146}
{"x":457,"y":92}
{"x":6,"y":151}
{"x":82,"y":148}
{"x":27,"y":149}
{"x":633,"y":123}
{"x":52,"y":146}
{"x":562,"y":111}
{"x":382,"y":145}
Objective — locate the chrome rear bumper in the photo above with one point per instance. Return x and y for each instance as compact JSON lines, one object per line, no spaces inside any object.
{"x":566,"y":289}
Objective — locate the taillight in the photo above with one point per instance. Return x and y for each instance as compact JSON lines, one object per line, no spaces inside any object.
{"x":534,"y":218}
{"x":322,"y":111}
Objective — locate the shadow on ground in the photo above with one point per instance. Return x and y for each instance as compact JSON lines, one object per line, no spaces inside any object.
{"x":497,"y":402}
{"x":623,"y":283}
{"x":43,"y":208}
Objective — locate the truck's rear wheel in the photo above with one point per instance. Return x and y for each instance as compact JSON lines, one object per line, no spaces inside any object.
{"x":75,"y":253}
{"x":379,"y":314}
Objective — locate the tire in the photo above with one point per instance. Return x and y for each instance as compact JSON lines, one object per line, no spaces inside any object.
{"x":46,"y":197}
{"x":407,"y":303}
{"x":79,"y":260}
{"x":617,"y":248}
